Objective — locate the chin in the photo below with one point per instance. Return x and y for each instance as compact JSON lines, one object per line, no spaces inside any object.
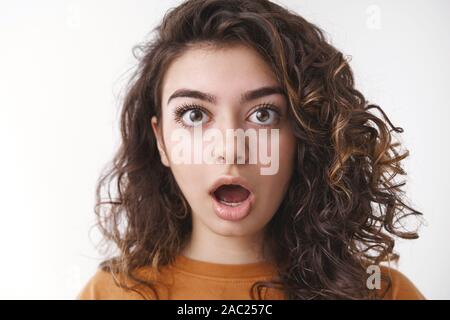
{"x":234,"y":228}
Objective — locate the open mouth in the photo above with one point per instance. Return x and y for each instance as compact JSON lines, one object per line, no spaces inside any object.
{"x":231,"y":194}
{"x":232,"y":198}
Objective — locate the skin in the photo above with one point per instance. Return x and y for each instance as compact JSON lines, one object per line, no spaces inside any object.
{"x":207,"y":69}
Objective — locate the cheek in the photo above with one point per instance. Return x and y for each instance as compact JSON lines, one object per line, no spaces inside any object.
{"x":287,"y":152}
{"x":184,"y":173}
{"x":288,"y":146}
{"x":272,"y":188}
{"x":189,"y":179}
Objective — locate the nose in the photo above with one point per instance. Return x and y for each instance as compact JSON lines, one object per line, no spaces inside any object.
{"x":234,"y":146}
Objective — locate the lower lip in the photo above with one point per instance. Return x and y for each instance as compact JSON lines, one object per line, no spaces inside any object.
{"x":236,"y":213}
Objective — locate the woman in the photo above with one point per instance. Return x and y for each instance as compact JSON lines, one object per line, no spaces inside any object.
{"x":316,"y":227}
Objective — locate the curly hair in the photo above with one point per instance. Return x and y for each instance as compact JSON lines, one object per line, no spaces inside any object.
{"x":342,"y":209}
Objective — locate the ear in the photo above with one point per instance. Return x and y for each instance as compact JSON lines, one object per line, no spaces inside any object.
{"x":158,"y":134}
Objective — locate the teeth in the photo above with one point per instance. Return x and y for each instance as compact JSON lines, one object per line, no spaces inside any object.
{"x":231,"y":204}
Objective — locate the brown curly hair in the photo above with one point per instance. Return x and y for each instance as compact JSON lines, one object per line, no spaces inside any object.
{"x":342,"y":208}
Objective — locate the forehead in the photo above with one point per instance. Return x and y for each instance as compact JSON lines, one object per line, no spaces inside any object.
{"x":226,"y":72}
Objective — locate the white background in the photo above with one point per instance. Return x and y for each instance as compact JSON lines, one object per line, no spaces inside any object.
{"x":63,"y":66}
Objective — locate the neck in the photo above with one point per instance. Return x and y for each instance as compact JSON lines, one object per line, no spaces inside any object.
{"x":205,"y":245}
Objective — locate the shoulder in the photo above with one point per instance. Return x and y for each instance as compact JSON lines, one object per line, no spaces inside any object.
{"x":400,"y":286}
{"x":105,"y":285}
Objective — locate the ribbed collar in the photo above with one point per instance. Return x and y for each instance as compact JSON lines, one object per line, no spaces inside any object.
{"x":220,"y":270}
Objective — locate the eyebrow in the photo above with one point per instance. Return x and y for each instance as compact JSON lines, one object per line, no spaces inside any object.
{"x":245,"y":97}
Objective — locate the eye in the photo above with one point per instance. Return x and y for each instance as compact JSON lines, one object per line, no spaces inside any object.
{"x":265,"y":114}
{"x":191,"y":115}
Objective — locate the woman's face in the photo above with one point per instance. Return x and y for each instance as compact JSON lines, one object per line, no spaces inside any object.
{"x":225,"y":74}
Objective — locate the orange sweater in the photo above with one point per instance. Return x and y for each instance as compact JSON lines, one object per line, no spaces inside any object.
{"x":193,"y":279}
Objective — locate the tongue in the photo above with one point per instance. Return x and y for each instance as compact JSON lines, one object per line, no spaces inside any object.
{"x":232,"y":193}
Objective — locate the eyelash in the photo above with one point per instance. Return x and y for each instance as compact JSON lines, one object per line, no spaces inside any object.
{"x":179,"y":111}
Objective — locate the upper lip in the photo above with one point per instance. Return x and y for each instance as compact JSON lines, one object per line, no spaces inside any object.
{"x":230,"y":180}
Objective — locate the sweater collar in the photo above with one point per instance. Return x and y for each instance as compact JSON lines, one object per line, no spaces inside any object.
{"x":221,"y":270}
